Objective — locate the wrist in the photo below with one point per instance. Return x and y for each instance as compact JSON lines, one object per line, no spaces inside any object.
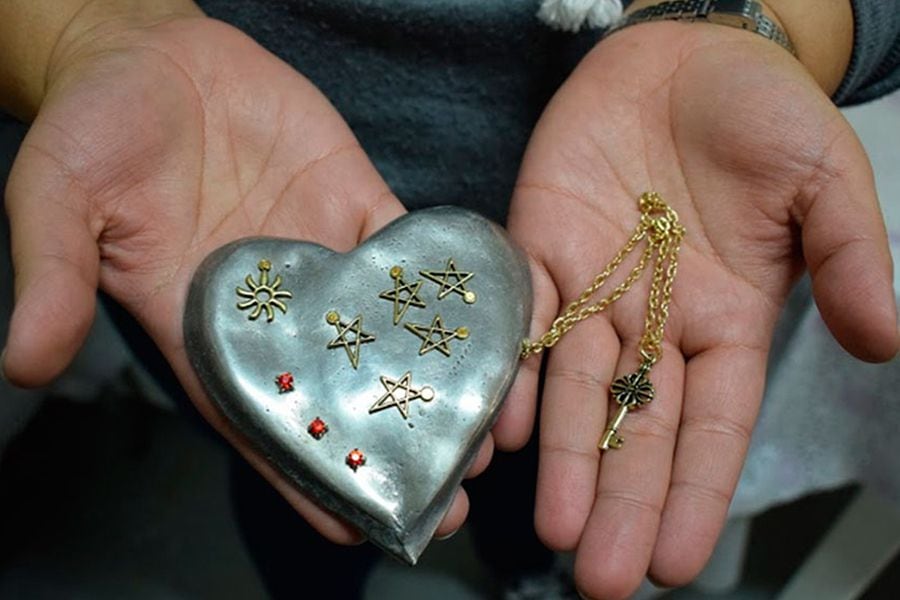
{"x":39,"y":37}
{"x":821,"y":34}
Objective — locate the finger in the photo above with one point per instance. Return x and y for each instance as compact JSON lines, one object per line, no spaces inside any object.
{"x":328,"y":525}
{"x":322,"y":521}
{"x":485,"y":453}
{"x":455,"y":516}
{"x":846,"y":248}
{"x":573,"y":416}
{"x":579,"y":370}
{"x":514,"y":426}
{"x":723,"y":390}
{"x":618,"y":540}
{"x":325,"y":523}
{"x":56,"y":264}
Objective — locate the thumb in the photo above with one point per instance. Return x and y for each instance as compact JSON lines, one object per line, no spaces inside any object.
{"x":846,"y":248}
{"x":56,"y":265}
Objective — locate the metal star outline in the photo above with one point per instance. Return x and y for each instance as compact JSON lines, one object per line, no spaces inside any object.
{"x":427,"y":335}
{"x":404,"y":384}
{"x":401,"y":302}
{"x":457,"y":286}
{"x":350,"y":343}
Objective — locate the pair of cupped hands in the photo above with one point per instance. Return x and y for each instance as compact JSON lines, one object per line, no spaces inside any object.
{"x":155,"y":145}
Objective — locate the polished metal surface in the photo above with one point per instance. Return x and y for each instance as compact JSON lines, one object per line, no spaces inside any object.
{"x":418,"y":442}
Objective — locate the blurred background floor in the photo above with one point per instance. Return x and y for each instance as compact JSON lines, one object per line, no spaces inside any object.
{"x":118,"y":497}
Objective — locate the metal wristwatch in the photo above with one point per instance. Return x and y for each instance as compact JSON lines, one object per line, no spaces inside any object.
{"x":743,"y":14}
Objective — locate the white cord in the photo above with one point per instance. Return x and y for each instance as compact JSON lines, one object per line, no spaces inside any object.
{"x":572,"y":15}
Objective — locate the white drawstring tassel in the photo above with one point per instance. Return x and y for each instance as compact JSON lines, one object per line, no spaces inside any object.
{"x":572,"y":15}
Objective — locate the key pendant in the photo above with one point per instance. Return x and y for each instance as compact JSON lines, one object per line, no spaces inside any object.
{"x":630,"y":392}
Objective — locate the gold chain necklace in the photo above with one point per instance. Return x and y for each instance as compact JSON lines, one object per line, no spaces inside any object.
{"x":660,"y":227}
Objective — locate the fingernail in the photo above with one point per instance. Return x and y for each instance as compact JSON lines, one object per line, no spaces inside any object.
{"x":446,"y":537}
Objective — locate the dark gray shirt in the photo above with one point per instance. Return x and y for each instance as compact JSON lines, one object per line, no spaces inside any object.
{"x":443,"y":94}
{"x":875,"y":67}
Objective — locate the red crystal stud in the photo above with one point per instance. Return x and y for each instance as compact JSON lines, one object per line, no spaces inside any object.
{"x":356,"y":459}
{"x":285,"y":382}
{"x":317,"y":428}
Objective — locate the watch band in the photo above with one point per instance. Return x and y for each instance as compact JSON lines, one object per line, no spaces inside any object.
{"x":743,"y":14}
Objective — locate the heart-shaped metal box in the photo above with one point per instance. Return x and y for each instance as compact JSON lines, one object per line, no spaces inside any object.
{"x":368,"y":378}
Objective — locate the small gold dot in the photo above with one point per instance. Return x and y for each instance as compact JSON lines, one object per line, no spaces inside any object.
{"x":427,"y":394}
{"x":462,"y":333}
{"x":264,"y":265}
{"x":396,"y":272}
{"x":469,"y":297}
{"x":332,"y":317}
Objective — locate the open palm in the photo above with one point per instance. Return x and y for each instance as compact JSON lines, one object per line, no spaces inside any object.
{"x":154,"y":147}
{"x":768,"y":179}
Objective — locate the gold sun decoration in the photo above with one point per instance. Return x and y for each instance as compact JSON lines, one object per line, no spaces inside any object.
{"x":263,"y":296}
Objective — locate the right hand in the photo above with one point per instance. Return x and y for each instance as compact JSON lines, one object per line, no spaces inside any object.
{"x":154,"y":145}
{"x":768,"y":180}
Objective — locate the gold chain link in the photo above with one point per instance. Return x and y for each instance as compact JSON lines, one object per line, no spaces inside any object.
{"x":658,"y":225}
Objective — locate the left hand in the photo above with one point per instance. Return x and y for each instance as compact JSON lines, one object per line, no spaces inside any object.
{"x":769,"y":180}
{"x":156,"y":143}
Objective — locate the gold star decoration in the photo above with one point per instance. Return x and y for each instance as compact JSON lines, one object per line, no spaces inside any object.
{"x":263,"y":296}
{"x":400,"y":393}
{"x":452,"y":281}
{"x":350,"y":336}
{"x":402,"y":302}
{"x":436,"y":336}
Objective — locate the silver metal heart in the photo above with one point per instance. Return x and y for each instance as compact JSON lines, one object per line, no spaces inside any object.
{"x":418,"y":442}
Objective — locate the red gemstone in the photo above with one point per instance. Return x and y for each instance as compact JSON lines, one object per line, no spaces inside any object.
{"x":356,"y":459}
{"x":285,"y":382}
{"x":317,"y":428}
